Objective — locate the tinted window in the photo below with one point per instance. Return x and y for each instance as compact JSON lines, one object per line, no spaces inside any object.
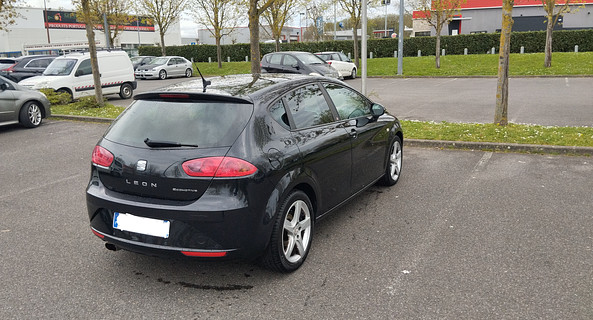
{"x":348,"y":102}
{"x":279,"y":114}
{"x":84,"y":68}
{"x":206,"y":124}
{"x":289,"y":61}
{"x":308,"y":107}
{"x":275,"y":59}
{"x":38,"y":63}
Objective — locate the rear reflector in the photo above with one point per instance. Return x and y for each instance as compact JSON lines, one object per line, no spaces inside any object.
{"x":220,"y":167}
{"x":102,"y":156}
{"x":205,"y":254}
{"x":97,"y":234}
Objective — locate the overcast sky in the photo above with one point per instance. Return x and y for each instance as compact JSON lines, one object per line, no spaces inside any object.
{"x":189,"y":27}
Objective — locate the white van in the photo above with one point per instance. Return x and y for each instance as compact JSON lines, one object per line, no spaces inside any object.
{"x":72,"y":73}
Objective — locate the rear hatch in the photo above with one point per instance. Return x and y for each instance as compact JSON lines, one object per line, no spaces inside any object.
{"x":152,"y":139}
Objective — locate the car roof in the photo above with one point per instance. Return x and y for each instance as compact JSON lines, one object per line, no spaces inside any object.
{"x":241,"y":88}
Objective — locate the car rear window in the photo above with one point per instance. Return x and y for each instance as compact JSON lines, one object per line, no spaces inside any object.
{"x":205,"y":124}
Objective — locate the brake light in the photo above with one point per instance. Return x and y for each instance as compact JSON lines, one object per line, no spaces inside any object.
{"x":174,"y":96}
{"x":329,"y":62}
{"x":10,"y":69}
{"x":102,"y":156}
{"x":218,"y":167}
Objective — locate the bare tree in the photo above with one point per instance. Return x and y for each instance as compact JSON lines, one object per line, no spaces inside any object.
{"x":353,"y":8}
{"x":554,"y":10}
{"x":502,"y":89}
{"x":164,"y":13}
{"x":90,"y":35}
{"x":219,"y":17}
{"x":256,"y":9}
{"x":437,"y":13}
{"x":116,"y":12}
{"x":8,"y":12}
{"x":276,"y":17}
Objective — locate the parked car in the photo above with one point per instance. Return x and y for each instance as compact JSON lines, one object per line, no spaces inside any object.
{"x":72,"y":73}
{"x":141,"y":60}
{"x":340,"y":62}
{"x":242,"y":170}
{"x":297,"y":62}
{"x":6,"y":63}
{"x":27,"y":66}
{"x":21,"y":105}
{"x":165,"y":67}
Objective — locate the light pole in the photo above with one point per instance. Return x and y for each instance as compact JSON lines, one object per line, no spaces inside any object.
{"x":301,"y":14}
{"x":46,"y":21}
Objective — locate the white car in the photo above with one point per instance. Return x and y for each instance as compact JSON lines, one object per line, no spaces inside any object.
{"x":340,"y":62}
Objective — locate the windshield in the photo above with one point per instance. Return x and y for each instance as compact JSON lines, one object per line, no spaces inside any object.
{"x":60,"y":67}
{"x":159,"y":61}
{"x":136,"y":59}
{"x":324,"y":56}
{"x":309,"y":58}
{"x":164,"y":123}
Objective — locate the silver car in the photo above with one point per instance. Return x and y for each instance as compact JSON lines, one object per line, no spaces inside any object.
{"x":165,"y":67}
{"x":21,"y":105}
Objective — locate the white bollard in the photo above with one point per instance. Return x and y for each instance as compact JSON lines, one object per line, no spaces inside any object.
{"x":465,"y":52}
{"x":395,"y":54}
{"x":246,"y":59}
{"x":209,"y":60}
{"x":493,"y":50}
{"x":576,"y":48}
{"x":228,"y":59}
{"x":443,"y":52}
{"x":371,"y":55}
{"x":420,"y":53}
{"x":522,"y":49}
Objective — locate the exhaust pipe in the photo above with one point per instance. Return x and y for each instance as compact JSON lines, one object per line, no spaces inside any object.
{"x":111,"y":246}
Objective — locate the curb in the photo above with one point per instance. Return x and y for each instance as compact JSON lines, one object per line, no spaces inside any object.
{"x":439,"y":144}
{"x":503,"y":147}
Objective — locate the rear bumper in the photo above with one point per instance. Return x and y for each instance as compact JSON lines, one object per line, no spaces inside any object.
{"x":203,"y":228}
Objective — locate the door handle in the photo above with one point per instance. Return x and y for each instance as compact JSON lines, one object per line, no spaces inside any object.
{"x":353,"y":133}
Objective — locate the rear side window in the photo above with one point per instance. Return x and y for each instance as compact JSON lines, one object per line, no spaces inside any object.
{"x":205,"y":124}
{"x":275,"y":59}
{"x":308,"y":107}
{"x":289,"y":61}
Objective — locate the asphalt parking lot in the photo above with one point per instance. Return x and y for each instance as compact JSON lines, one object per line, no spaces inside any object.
{"x":464,"y":235}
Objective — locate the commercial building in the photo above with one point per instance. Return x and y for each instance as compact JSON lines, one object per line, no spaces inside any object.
{"x":485,"y":16}
{"x":39,"y":31}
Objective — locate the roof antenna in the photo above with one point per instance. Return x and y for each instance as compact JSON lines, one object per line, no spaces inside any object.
{"x":205,"y":82}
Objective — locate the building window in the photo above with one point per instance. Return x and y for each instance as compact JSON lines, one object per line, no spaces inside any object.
{"x":422,"y":34}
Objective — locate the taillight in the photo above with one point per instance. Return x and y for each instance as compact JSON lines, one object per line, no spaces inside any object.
{"x":218,"y":167}
{"x":329,"y":62}
{"x":10,"y":69}
{"x":205,"y":254}
{"x":102,"y":157}
{"x":174,"y":96}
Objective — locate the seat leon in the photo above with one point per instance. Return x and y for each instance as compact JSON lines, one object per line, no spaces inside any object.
{"x":241,"y":168}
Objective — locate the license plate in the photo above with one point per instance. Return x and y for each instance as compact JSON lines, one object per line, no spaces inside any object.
{"x":147,"y":226}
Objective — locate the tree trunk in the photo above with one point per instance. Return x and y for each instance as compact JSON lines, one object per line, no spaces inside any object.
{"x":254,"y":41}
{"x":356,"y":55}
{"x":548,"y":50}
{"x":502,"y":89}
{"x":163,"y":49}
{"x":90,"y":35}
{"x":218,"y":53}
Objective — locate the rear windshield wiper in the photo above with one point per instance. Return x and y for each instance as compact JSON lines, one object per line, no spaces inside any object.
{"x":166,"y":144}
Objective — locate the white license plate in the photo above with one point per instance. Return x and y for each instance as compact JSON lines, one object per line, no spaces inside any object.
{"x":147,"y":226}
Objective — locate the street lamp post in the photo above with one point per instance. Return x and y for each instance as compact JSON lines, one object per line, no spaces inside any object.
{"x":301,"y":14}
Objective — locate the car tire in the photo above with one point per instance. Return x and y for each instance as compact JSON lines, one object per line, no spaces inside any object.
{"x":394,"y":164}
{"x":292,"y":234}
{"x":188,"y":73}
{"x":162,"y":74}
{"x":60,"y":91}
{"x":353,"y":73}
{"x":30,"y":115}
{"x":126,"y":91}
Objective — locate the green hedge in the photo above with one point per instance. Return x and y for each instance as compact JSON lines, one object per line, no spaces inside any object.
{"x":563,"y":41}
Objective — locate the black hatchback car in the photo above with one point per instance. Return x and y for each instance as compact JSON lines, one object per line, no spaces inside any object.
{"x":297,"y":62}
{"x":240,"y":169}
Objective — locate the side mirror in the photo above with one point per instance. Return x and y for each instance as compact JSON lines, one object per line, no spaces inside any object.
{"x":3,"y":86}
{"x":78,"y":73}
{"x":377,"y":110}
{"x":296,"y":66}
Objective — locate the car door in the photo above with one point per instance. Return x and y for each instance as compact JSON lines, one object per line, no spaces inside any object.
{"x":8,"y":110}
{"x":369,"y":139}
{"x":323,"y":142}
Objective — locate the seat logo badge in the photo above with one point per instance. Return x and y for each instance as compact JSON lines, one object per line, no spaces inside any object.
{"x":141,"y":165}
